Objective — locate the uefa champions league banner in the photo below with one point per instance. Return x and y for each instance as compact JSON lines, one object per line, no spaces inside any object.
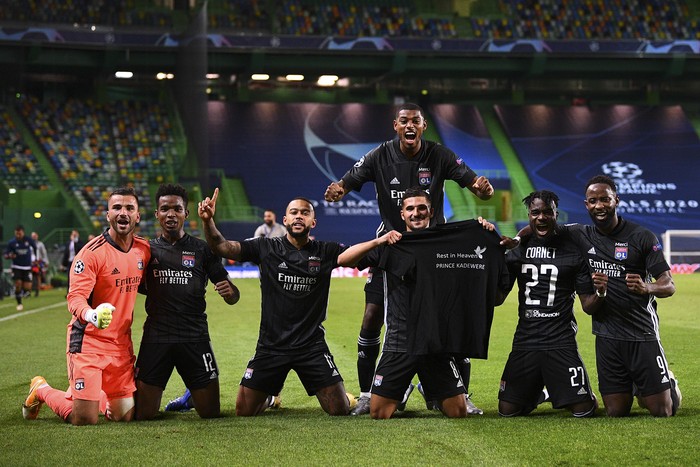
{"x":650,"y":152}
{"x":101,"y":35}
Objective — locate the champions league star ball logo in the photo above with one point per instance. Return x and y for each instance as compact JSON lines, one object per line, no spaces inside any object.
{"x":79,"y":266}
{"x":622,"y":170}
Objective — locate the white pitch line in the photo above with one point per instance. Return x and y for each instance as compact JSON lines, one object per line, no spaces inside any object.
{"x":29,"y":312}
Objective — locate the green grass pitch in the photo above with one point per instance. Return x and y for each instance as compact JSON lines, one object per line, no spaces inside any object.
{"x":302,"y":434}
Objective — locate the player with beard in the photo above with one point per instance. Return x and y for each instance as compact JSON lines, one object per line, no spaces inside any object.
{"x":441,"y":383}
{"x":629,"y":273}
{"x":176,"y":333}
{"x":295,"y":275}
{"x":105,"y":277}
{"x":623,"y":258}
{"x":549,"y":270}
{"x":394,"y":166}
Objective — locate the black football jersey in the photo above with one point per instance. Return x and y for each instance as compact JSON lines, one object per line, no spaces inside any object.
{"x":294,"y":285}
{"x":630,"y":248}
{"x":176,"y":280}
{"x":549,"y":273}
{"x":392,"y":173}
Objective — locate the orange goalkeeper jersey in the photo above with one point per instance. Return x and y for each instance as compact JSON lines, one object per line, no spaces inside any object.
{"x":103,"y":272}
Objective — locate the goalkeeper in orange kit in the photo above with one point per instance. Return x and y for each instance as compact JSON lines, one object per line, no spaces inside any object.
{"x":104,"y":282}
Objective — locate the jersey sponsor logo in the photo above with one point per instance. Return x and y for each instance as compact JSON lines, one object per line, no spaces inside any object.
{"x":610,"y":269}
{"x":296,"y":283}
{"x":620,"y":253}
{"x":79,"y":384}
{"x":282,"y":265}
{"x":592,"y":251}
{"x":79,"y":266}
{"x":248,"y":373}
{"x":479,"y":251}
{"x":657,"y":247}
{"x":394,"y":181}
{"x":187,"y":260}
{"x":155,"y":261}
{"x":539,"y":314}
{"x":115,"y":271}
{"x":425,"y":176}
{"x":378,"y":380}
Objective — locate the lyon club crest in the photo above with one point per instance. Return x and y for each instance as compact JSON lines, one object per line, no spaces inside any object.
{"x":188,"y":261}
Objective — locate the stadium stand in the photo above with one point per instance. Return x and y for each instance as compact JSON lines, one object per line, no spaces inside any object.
{"x":19,"y":168}
{"x":97,"y":147}
{"x":294,"y":17}
{"x":125,"y":13}
{"x":348,"y":18}
{"x":588,"y":19}
{"x":245,"y":15}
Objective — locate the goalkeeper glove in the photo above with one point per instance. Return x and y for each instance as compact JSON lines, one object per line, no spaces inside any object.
{"x":101,"y":316}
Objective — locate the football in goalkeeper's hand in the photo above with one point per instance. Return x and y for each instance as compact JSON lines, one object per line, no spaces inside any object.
{"x":101,"y":316}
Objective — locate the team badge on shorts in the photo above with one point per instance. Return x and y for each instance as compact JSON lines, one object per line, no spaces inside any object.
{"x":378,"y":380}
{"x":79,"y":266}
{"x":620,"y":253}
{"x":188,"y":260}
{"x":79,"y":384}
{"x":248,"y":373}
{"x":502,"y":387}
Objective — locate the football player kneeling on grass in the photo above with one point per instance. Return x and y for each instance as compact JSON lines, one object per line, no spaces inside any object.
{"x":108,"y":270}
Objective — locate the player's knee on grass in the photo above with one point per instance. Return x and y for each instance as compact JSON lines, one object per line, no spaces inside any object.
{"x":84,"y":413}
{"x":250,"y":402}
{"x":508,"y":409}
{"x":618,"y":405}
{"x":584,"y":409}
{"x":659,"y":405}
{"x":148,"y":398}
{"x":454,"y":407}
{"x":121,"y":410}
{"x":382,"y":408}
{"x":334,"y":400}
{"x":207,"y":401}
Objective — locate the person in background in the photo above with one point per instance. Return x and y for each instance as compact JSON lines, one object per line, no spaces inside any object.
{"x":72,"y":248}
{"x":21,"y":252}
{"x":270,"y":228}
{"x":40,"y":264}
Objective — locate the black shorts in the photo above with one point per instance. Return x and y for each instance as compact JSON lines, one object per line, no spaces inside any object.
{"x":374,"y":288}
{"x":623,"y":363}
{"x":23,"y":275}
{"x":562,"y":371}
{"x":438,"y":375}
{"x":267,"y":372}
{"x":194,"y":361}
